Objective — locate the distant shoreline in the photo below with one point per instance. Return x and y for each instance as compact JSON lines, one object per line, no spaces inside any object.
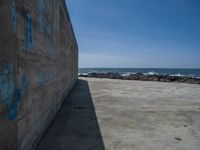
{"x":194,"y":73}
{"x":143,"y":77}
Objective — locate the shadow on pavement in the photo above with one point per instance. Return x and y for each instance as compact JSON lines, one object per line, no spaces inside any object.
{"x":75,"y":126}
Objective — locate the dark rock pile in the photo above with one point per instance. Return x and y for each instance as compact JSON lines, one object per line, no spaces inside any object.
{"x":143,"y":77}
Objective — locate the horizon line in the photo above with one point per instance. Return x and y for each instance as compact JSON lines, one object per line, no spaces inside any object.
{"x":133,"y":68}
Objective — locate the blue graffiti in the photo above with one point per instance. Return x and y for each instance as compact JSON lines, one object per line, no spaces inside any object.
{"x":25,"y":84}
{"x":7,"y":86}
{"x":43,"y":78}
{"x":13,"y":14}
{"x":11,"y":95}
{"x":41,"y":9}
{"x":29,"y":43}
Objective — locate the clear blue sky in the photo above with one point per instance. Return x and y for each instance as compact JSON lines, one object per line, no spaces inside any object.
{"x":137,"y":33}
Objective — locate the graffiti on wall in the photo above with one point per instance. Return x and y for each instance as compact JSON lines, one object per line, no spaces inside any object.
{"x":44,"y":78}
{"x":9,"y":92}
{"x":13,"y":14}
{"x":45,"y":28}
{"x":41,"y":10}
{"x":29,"y":43}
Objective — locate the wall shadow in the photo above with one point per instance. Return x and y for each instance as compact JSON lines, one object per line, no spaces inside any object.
{"x":75,"y":126}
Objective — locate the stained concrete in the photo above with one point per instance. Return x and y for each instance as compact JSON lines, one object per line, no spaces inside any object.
{"x":127,"y":115}
{"x":38,"y":68}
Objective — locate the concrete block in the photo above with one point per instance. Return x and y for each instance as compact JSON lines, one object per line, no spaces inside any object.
{"x":38,"y":67}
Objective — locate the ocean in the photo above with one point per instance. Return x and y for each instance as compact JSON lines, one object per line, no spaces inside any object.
{"x":195,"y":73}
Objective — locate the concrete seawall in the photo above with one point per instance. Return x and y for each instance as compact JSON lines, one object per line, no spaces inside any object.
{"x":38,"y":68}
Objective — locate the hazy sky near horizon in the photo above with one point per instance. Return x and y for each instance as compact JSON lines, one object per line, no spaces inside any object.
{"x":137,"y":33}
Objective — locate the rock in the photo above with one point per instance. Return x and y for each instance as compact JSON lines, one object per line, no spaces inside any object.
{"x":83,"y":75}
{"x":142,"y":77}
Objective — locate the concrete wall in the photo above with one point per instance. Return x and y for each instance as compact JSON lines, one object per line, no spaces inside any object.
{"x":38,"y":67}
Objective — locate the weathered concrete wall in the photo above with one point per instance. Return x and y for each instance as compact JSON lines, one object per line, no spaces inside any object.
{"x":38,"y":67}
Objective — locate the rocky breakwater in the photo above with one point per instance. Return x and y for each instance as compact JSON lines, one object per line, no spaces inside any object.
{"x":144,"y":77}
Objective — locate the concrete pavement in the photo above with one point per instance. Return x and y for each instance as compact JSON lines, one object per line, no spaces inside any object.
{"x":107,"y":114}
